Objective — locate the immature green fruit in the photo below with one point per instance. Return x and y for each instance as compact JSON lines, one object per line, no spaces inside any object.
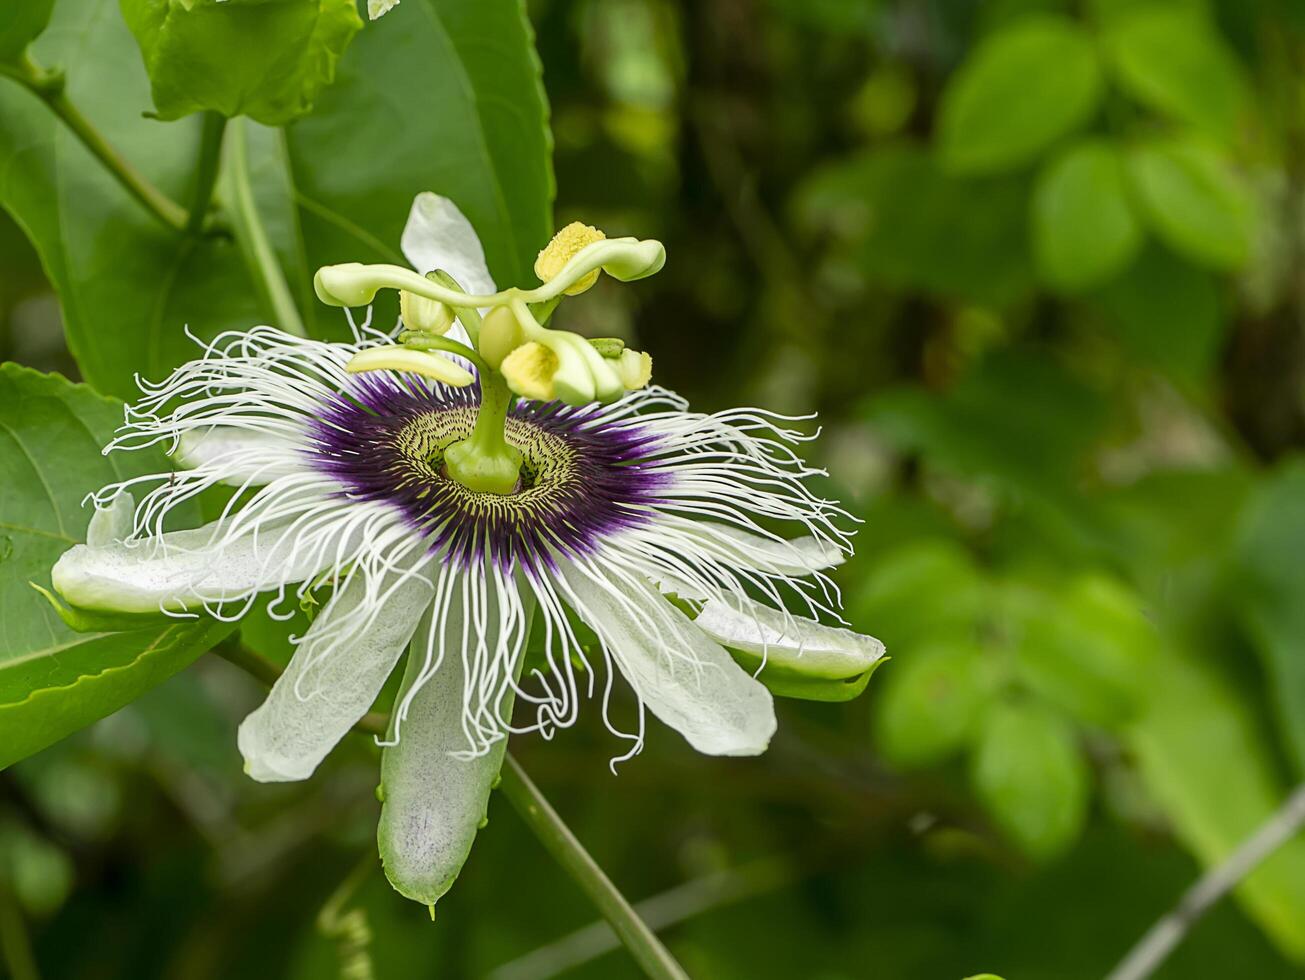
{"x":500,"y":335}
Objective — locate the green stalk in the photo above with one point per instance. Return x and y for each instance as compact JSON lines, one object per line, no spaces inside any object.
{"x":643,"y":944}
{"x":210,"y":156}
{"x":49,"y":87}
{"x":255,"y":237}
{"x":484,"y":461}
{"x":551,"y":830}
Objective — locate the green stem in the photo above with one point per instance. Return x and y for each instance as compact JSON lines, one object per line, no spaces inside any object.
{"x":49,"y":87}
{"x":484,"y":461}
{"x":643,"y":944}
{"x":210,"y":156}
{"x":525,"y":797}
{"x":255,"y":236}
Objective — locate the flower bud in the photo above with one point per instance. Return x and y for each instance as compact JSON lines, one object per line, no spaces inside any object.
{"x":424,"y":315}
{"x":566,"y":244}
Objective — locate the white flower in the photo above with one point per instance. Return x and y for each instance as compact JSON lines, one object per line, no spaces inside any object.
{"x":341,"y":485}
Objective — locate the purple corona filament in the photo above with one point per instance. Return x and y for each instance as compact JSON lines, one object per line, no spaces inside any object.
{"x":583,"y":476}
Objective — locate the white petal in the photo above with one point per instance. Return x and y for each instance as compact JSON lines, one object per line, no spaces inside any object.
{"x":775,"y":556}
{"x":438,"y":236}
{"x":791,"y":642}
{"x":435,"y":797}
{"x":734,"y":546}
{"x":684,"y":678}
{"x":244,"y":457}
{"x":111,"y":523}
{"x":184,"y":569}
{"x":335,"y":674}
{"x":378,"y":8}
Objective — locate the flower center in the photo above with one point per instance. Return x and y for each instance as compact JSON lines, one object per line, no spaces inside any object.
{"x":582,"y":475}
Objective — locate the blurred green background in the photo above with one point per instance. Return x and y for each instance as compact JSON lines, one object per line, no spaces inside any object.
{"x":1037,"y":265}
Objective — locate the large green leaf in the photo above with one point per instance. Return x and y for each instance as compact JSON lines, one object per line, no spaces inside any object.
{"x":1023,"y":88}
{"x":1173,"y":59}
{"x":266,"y":59}
{"x":52,"y":680}
{"x":440,"y":95}
{"x":20,"y":23}
{"x":1084,"y":227}
{"x":128,"y":286}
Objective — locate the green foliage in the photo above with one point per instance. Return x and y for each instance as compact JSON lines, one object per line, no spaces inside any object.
{"x":995,"y":117}
{"x":440,"y":95}
{"x":127,"y":285}
{"x":932,"y":703}
{"x":1084,"y":648}
{"x":53,"y":680}
{"x":266,"y":59}
{"x":907,"y":224}
{"x":1084,"y":227}
{"x":1271,"y":594}
{"x":1202,"y":754}
{"x":1029,"y":773}
{"x":1167,"y":313}
{"x":1192,"y":201}
{"x":20,"y":23}
{"x":1032,"y":264}
{"x":1172,"y":59}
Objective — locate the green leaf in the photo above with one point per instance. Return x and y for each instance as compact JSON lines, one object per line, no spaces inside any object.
{"x":438,"y":96}
{"x":52,"y":679}
{"x":128,"y":286}
{"x":1022,"y":89}
{"x":933,"y":700}
{"x":1270,"y":591}
{"x":1032,"y":779}
{"x":1193,"y":202}
{"x":1173,"y":60}
{"x":267,"y":59}
{"x":20,"y":23}
{"x":906,"y":224}
{"x":1087,"y":648}
{"x":918,"y":591}
{"x":1203,"y":758}
{"x":1084,"y":227}
{"x":1167,"y":312}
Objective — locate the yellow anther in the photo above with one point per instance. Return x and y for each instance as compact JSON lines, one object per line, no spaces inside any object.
{"x":423,"y":314}
{"x":634,"y":368}
{"x":529,"y":371}
{"x":562,"y":249}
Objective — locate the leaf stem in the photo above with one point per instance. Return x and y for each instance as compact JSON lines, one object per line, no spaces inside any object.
{"x":50,"y":88}
{"x":206,"y":172}
{"x":256,"y":242}
{"x":525,"y":797}
{"x":643,"y":944}
{"x":1162,"y":938}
